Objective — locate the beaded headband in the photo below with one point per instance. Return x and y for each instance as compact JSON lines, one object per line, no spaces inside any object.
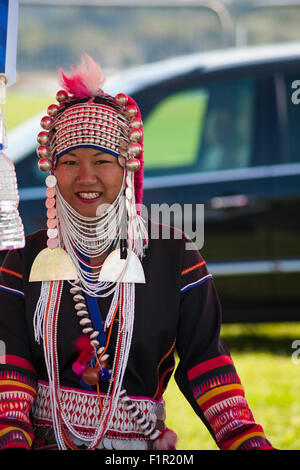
{"x":88,"y":117}
{"x":89,"y":125}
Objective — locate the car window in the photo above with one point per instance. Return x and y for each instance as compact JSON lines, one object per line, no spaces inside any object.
{"x":205,"y":129}
{"x":173,"y":130}
{"x":292,"y":86}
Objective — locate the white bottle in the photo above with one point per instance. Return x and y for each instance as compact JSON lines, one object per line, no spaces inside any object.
{"x":11,"y":226}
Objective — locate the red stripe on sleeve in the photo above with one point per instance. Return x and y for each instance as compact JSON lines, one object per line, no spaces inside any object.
{"x":185,"y":271}
{"x":213,"y":363}
{"x":17,"y":361}
{"x":10,"y":271}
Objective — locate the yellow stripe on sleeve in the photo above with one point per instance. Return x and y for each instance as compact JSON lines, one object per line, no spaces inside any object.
{"x":217,"y":391}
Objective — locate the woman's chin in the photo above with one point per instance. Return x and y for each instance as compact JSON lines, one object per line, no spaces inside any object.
{"x":86,"y":210}
{"x":90,"y":207}
{"x":87,"y":207}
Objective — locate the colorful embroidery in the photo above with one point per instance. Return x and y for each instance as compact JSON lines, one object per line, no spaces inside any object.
{"x":17,"y":392}
{"x":14,"y":437}
{"x":81,"y":408}
{"x":218,"y":391}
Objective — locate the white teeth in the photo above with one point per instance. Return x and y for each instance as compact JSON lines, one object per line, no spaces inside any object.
{"x":89,"y":195}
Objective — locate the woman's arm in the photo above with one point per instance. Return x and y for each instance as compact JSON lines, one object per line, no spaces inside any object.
{"x":206,"y":373}
{"x":17,"y":374}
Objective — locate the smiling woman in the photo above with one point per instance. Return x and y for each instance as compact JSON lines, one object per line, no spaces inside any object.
{"x":88,"y":178}
{"x":94,"y":307}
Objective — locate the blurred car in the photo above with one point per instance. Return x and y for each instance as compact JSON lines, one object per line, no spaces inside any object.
{"x":221,"y":129}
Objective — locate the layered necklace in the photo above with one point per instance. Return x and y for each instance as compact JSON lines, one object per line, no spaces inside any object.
{"x":85,"y":238}
{"x":90,"y":237}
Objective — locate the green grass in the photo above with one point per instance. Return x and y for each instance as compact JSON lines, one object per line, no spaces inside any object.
{"x":262,"y":354}
{"x":21,"y":106}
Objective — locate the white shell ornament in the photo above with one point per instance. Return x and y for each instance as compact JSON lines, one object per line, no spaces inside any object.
{"x":116,"y":269}
{"x":52,"y":265}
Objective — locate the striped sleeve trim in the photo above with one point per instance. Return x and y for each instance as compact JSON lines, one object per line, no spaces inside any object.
{"x":196,"y":283}
{"x":17,"y":393}
{"x":253,"y":438}
{"x":218,"y":391}
{"x":11,"y":291}
{"x":14,"y":437}
{"x":10,"y":271}
{"x":195,"y":266}
{"x":207,"y":366}
{"x":11,"y":360}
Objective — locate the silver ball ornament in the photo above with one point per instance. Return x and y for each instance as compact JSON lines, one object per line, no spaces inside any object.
{"x":46,"y":123}
{"x":62,"y":96}
{"x":131,"y":110}
{"x":121,"y":99}
{"x":134,"y":150}
{"x":43,"y":138}
{"x":136,"y":123}
{"x":52,"y":110}
{"x":44,"y":165}
{"x":133,"y":165}
{"x":42,"y":151}
{"x":135,"y":135}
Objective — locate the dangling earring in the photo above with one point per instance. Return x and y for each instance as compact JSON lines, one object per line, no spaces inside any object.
{"x":52,"y":263}
{"x":122,"y":264}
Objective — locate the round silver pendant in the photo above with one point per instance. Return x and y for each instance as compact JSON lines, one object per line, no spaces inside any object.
{"x":50,"y":181}
{"x":52,"y":233}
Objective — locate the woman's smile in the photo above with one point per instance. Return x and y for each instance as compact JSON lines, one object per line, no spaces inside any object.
{"x":88,"y":177}
{"x":89,"y":196}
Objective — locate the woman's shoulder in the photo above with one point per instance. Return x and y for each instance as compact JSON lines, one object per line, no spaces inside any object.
{"x":37,"y":238}
{"x":167,"y":236}
{"x":20,"y":260}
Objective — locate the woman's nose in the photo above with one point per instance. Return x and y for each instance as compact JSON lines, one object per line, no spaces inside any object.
{"x":86,"y":175}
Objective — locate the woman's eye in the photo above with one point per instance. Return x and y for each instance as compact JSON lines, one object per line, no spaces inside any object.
{"x":69,"y":162}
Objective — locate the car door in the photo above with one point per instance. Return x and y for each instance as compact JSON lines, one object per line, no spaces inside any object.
{"x":284,"y":220}
{"x":207,"y":141}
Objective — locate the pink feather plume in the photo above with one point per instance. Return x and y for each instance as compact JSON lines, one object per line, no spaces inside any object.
{"x":84,"y":81}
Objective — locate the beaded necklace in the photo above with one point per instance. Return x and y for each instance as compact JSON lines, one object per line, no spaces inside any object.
{"x":123,"y":303}
{"x":90,"y":236}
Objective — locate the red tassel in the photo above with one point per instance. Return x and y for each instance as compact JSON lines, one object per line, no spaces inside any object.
{"x":83,"y":345}
{"x":167,"y":440}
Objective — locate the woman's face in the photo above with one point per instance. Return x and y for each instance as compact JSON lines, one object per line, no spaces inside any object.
{"x":88,"y":178}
